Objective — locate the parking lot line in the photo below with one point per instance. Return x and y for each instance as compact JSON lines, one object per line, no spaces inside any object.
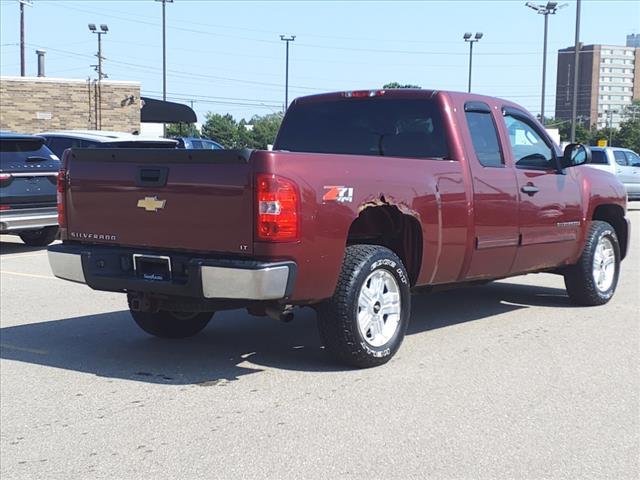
{"x":33,"y":275}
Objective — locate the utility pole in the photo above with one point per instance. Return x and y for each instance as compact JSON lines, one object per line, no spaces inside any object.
{"x":576,"y":65}
{"x":549,"y":9}
{"x":468,"y":37}
{"x":101,"y":75}
{"x":164,"y":56}
{"x":611,"y":112}
{"x":28,"y":3}
{"x":286,"y":75}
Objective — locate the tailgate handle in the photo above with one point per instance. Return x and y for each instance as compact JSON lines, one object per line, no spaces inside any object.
{"x":152,"y":176}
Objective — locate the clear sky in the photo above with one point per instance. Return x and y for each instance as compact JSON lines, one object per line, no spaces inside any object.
{"x":227,"y":57}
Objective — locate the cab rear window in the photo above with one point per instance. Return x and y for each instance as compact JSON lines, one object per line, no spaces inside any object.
{"x":376,"y":126}
{"x":598,"y":158}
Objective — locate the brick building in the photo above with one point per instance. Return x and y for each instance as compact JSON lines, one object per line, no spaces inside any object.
{"x":608,"y":82}
{"x":37,"y":104}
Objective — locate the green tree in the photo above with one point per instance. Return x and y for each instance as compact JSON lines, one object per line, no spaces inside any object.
{"x":629,"y":134}
{"x":583,"y":134}
{"x":265,"y":129}
{"x":399,"y":85}
{"x":221,"y":128}
{"x":182,"y":130}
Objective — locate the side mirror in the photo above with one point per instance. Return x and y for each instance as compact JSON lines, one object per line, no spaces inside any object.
{"x":575,"y":154}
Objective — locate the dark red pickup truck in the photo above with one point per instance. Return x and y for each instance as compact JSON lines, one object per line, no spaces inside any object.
{"x":365,"y":196}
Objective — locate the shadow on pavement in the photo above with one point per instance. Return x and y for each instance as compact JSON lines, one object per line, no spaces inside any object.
{"x":7,"y":248}
{"x":111,"y":345}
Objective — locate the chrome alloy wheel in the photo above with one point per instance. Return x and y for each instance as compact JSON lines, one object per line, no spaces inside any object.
{"x":379,"y":308}
{"x":604,"y":264}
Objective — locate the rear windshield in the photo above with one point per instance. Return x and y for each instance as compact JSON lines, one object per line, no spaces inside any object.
{"x":365,"y":126}
{"x":598,"y":157}
{"x":15,"y":153}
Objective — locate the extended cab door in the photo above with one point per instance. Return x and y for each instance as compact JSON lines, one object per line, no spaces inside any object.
{"x":549,"y":210}
{"x":495,"y":195}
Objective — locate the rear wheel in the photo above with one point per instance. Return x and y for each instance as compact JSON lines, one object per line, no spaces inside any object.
{"x":164,"y":324}
{"x":365,"y":321}
{"x":593,"y":280}
{"x":39,"y":238}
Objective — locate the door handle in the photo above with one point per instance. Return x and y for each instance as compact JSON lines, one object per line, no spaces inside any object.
{"x":530,"y":190}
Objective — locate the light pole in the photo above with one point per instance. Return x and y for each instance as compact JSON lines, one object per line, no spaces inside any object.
{"x":28,"y":3}
{"x":286,"y":39}
{"x":164,"y":56}
{"x":469,"y":37}
{"x":549,"y":9}
{"x":576,"y":69}
{"x":103,"y":31}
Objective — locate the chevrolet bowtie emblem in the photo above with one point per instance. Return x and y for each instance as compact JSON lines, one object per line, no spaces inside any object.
{"x":151,"y":204}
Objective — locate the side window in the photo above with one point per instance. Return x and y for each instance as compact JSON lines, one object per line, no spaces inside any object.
{"x":88,"y":144}
{"x":196,"y":144}
{"x":528,"y":147}
{"x":58,"y":145}
{"x":633,"y":159}
{"x":620,"y":157}
{"x":485,"y":139}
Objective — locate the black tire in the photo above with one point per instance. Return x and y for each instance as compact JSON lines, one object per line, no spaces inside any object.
{"x":580,"y":280}
{"x":39,"y":238}
{"x":338,"y":316}
{"x":174,"y":325}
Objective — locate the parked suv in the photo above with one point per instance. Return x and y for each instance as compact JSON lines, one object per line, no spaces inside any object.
{"x":198,"y":143}
{"x":59,"y":141}
{"x":623,"y":163}
{"x":28,"y":176}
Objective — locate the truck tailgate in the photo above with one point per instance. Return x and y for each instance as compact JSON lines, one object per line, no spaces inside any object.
{"x":197,"y":200}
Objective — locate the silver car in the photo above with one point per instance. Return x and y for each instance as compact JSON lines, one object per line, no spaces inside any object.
{"x":623,"y":163}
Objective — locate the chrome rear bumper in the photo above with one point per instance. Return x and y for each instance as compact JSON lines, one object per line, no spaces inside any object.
{"x":102,"y":269}
{"x":28,"y":219}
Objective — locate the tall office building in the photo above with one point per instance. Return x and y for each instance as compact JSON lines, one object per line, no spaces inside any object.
{"x":608,"y":81}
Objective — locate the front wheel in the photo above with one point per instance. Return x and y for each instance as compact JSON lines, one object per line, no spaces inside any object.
{"x":164,"y":324}
{"x":365,"y":321}
{"x":39,"y":238}
{"x":593,"y":280}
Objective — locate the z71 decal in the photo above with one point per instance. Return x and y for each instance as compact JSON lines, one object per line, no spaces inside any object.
{"x":338,"y":193}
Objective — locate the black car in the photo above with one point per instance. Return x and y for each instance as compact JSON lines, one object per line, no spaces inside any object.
{"x":28,"y":178}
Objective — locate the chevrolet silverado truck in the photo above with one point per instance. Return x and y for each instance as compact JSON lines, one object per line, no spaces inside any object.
{"x":365,"y":197}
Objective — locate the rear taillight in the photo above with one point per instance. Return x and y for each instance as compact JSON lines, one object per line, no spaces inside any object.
{"x":5,"y":207}
{"x":61,"y":196}
{"x":5,"y":177}
{"x":278,"y":201}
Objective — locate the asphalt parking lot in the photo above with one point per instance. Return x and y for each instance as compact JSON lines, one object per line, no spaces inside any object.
{"x":507,"y":381}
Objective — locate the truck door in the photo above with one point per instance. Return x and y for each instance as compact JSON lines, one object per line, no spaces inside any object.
{"x":549,"y":210}
{"x":495,"y":195}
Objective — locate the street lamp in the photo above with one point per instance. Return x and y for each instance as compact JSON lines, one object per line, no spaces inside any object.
{"x":288,"y":39}
{"x":549,"y":9}
{"x":164,"y":56}
{"x":469,"y":37}
{"x":103,"y":31}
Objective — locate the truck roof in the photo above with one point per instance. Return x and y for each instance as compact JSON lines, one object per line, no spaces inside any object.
{"x":403,"y":93}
